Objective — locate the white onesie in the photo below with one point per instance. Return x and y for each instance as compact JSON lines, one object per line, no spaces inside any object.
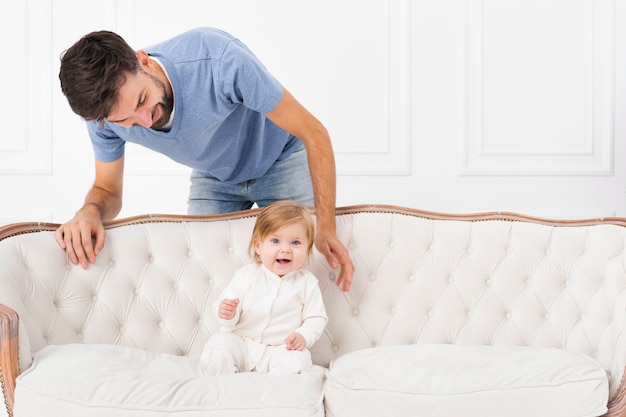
{"x":270,"y":308}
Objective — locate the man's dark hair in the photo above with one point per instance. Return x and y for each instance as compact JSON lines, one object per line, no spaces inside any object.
{"x":92,"y":72}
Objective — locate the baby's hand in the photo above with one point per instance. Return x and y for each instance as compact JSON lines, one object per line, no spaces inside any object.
{"x":295,"y":341}
{"x":228,"y":308}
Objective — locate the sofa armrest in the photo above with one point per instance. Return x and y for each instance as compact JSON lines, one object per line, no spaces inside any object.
{"x":617,"y":407}
{"x":9,"y":355}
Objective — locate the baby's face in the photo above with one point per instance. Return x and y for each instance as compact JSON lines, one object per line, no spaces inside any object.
{"x":283,"y":250}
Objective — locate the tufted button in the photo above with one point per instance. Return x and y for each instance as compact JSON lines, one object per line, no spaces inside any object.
{"x":412,"y":278}
{"x":431,"y":313}
{"x":111,"y":262}
{"x":137,"y":291}
{"x":352,"y":246}
{"x":175,"y":287}
{"x":488,"y":282}
{"x":94,"y":298}
{"x":331,"y":276}
{"x":80,"y":336}
{"x":431,"y":248}
{"x":161,"y":325}
{"x":122,"y":329}
{"x":509,"y":249}
{"x":190,"y":253}
{"x":150,"y":259}
{"x":529,"y":280}
{"x":201,"y":321}
{"x":231,"y":249}
{"x":509,"y":315}
{"x":392,"y":245}
{"x":547,"y":316}
{"x":566,"y":282}
{"x":373,"y":277}
{"x":470,"y":313}
{"x":450,"y":279}
{"x":335,"y":348}
{"x":394,"y":310}
{"x":470,"y":249}
{"x":548,"y":251}
{"x":355,"y":312}
{"x":68,"y":267}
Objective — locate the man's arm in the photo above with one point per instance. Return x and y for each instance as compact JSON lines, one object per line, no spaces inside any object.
{"x":290,"y":115}
{"x":83,"y":236}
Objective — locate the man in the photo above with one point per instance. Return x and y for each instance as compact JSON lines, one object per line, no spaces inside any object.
{"x":204,"y":100}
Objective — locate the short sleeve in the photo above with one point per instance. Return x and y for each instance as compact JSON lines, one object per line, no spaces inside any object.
{"x":245,"y":80}
{"x":107,"y":145}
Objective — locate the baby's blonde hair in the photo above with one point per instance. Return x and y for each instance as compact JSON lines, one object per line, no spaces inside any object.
{"x":279,"y":214}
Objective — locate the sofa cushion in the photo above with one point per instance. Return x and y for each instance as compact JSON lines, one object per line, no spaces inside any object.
{"x":453,"y":380}
{"x":106,"y":380}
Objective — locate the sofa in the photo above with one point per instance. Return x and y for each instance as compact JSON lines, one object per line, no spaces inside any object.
{"x":490,"y":314}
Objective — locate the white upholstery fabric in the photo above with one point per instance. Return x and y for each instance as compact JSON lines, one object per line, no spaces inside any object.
{"x":417,"y":281}
{"x":106,"y":380}
{"x":468,"y":381}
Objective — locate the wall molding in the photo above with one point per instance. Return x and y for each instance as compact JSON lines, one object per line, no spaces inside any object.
{"x":26,"y":144}
{"x":392,"y":156}
{"x":485,"y":152}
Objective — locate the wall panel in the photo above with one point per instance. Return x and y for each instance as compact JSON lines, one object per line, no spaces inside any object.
{"x":540,"y":87}
{"x":25,"y":109}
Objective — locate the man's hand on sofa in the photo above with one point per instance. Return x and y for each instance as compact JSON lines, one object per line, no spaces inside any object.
{"x":82,"y":238}
{"x":329,"y":245}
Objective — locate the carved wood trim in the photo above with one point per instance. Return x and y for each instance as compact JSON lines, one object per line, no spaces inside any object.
{"x":9,"y":355}
{"x":29,"y":227}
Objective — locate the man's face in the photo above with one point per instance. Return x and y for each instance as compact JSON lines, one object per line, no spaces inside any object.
{"x":142,"y":101}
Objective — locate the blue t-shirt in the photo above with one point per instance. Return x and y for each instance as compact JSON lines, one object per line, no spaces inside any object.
{"x":221,"y":94}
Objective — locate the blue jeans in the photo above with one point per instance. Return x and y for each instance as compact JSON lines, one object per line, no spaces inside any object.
{"x":287,"y":179}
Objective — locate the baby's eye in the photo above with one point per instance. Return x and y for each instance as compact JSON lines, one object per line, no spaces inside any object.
{"x":296,"y":243}
{"x":275,"y":241}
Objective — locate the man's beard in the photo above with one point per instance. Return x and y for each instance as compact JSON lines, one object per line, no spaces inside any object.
{"x":166,"y":112}
{"x":166,"y":105}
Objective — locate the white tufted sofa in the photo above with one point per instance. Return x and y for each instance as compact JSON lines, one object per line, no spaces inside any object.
{"x":478,"y":315}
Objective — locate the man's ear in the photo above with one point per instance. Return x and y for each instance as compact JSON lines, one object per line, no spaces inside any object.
{"x":144,"y":60}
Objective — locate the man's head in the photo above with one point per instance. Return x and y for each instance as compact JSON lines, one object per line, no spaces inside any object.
{"x":103,"y":78}
{"x":92,"y":72}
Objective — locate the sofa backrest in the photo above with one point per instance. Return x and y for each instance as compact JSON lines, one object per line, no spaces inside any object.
{"x":490,"y":279}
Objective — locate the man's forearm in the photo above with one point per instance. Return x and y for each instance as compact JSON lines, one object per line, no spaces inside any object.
{"x":323,"y":176}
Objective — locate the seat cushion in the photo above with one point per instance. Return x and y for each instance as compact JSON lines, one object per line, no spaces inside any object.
{"x":468,"y":381}
{"x":105,"y":380}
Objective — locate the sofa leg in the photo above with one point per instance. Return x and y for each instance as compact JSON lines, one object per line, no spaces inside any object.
{"x":9,"y":355}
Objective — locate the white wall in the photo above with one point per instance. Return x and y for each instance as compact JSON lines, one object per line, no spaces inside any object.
{"x":447,"y":105}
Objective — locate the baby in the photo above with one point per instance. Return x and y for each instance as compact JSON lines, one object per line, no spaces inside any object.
{"x":272,"y":311}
